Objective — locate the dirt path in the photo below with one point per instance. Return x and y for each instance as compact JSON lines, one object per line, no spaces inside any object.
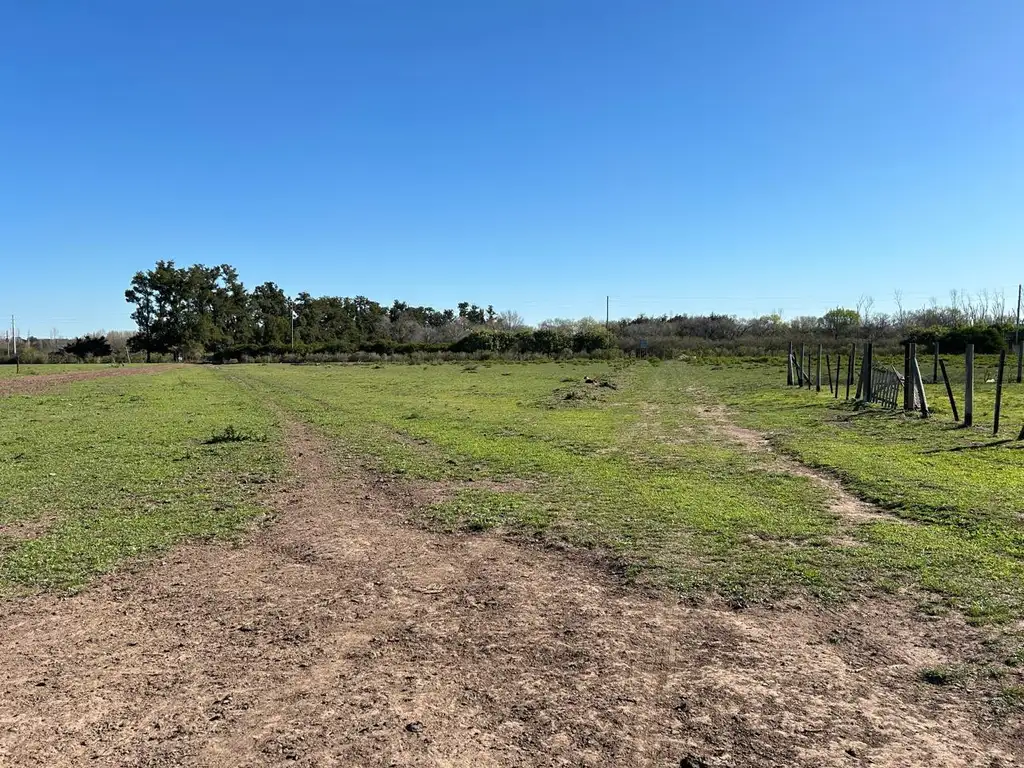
{"x":32,"y":384}
{"x":341,"y":636}
{"x":843,"y":503}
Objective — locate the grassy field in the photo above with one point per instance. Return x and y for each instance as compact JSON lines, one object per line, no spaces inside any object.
{"x":642,"y":469}
{"x":107,"y":469}
{"x":631,"y":469}
{"x":956,"y":494}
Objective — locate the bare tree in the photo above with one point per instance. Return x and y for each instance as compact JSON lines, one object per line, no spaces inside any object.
{"x":511,"y":320}
{"x":901,"y":316}
{"x":864,"y":305}
{"x":984,"y":302}
{"x":999,"y":306}
{"x":559,"y":324}
{"x":118,"y":341}
{"x":955,"y":314}
{"x":969,"y":308}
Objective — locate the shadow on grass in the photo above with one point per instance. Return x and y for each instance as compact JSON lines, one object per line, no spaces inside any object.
{"x":971,"y":447}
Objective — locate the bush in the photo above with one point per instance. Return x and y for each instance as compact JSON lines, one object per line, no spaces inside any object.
{"x":987,"y":339}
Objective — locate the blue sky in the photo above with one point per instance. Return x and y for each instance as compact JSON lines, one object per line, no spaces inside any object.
{"x":741,"y":157}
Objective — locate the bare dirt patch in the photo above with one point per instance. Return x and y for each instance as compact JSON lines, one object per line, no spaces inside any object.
{"x":22,"y":530}
{"x":33,"y":384}
{"x":342,"y":636}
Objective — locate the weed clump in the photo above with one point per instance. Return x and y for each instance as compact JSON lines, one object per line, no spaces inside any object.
{"x":228,"y":435}
{"x":943,"y":675}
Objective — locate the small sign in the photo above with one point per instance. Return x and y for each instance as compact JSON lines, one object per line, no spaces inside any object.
{"x":643,"y":343}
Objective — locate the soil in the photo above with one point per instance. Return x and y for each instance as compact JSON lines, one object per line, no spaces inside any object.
{"x":340,"y":635}
{"x":30,"y":384}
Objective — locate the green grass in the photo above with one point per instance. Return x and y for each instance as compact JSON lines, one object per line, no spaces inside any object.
{"x":641,"y":471}
{"x":956,"y":495}
{"x":117,"y":467}
{"x":113,"y":468}
{"x":634,"y":469}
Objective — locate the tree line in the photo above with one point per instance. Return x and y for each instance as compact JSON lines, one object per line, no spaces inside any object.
{"x":984,"y":319}
{"x":206,"y":312}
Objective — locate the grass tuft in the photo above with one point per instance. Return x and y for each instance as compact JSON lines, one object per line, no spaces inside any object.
{"x":228,"y":435}
{"x":943,"y":675}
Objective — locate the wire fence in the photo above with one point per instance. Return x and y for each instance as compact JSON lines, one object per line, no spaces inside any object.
{"x":966,"y":388}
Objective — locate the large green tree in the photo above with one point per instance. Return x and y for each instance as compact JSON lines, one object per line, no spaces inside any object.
{"x":188,"y":310}
{"x":269,"y":310}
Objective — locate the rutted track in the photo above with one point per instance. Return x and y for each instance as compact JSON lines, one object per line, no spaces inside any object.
{"x":340,"y":635}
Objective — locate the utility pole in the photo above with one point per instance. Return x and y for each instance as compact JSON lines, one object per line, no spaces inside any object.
{"x":14,"y":336}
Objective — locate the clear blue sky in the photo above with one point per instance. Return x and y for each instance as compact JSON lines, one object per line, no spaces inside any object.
{"x":680,"y":156}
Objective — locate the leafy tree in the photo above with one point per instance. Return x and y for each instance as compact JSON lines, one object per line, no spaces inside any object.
{"x":88,"y":347}
{"x":471,"y":313}
{"x":159,"y":298}
{"x":840,"y":322}
{"x":270,"y":315}
{"x":188,"y":310}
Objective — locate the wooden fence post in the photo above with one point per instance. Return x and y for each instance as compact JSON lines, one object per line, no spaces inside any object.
{"x":861,"y":379}
{"x":849,"y":368}
{"x":869,"y":392}
{"x":949,"y":392}
{"x":913,"y":366}
{"x":999,"y":392}
{"x":801,"y":384}
{"x":935,"y":364}
{"x":969,"y":386}
{"x":919,"y":384}
{"x":908,"y":378}
{"x":1020,"y":359}
{"x":907,"y":382}
{"x":789,"y":366}
{"x":817,"y":375}
{"x":810,"y":381}
{"x":839,"y":368}
{"x":828,"y":372}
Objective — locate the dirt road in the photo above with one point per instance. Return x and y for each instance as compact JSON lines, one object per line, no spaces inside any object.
{"x":340,"y":635}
